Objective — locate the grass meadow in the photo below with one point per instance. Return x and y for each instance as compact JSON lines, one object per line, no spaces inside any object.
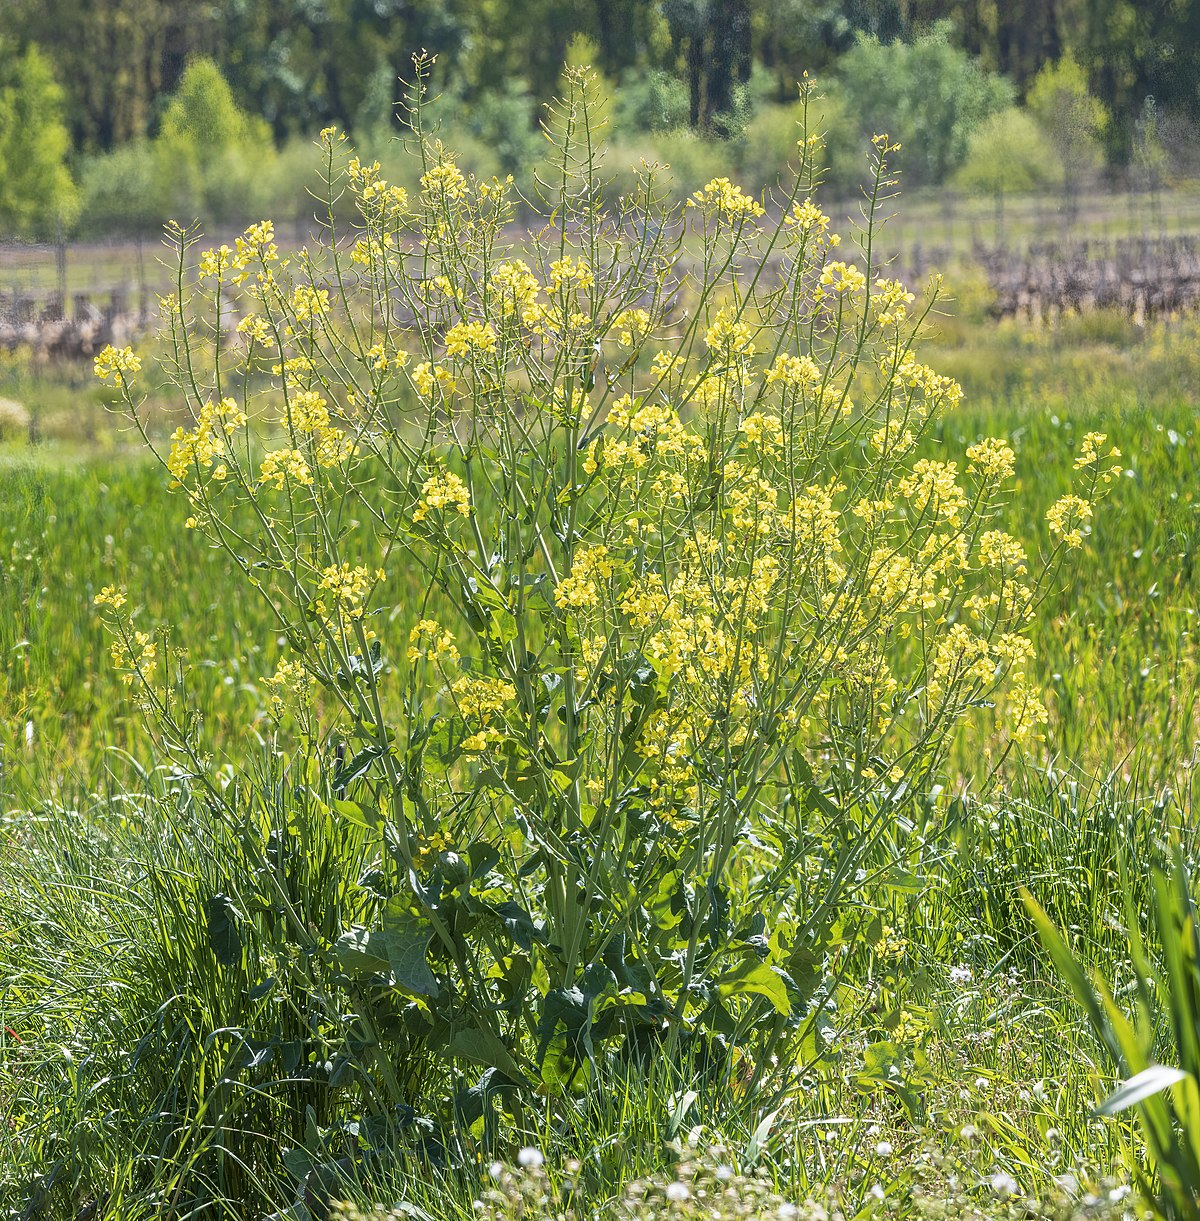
{"x":161,"y":1036}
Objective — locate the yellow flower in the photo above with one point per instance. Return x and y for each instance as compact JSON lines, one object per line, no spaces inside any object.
{"x":284,"y":465}
{"x":430,"y":641}
{"x":568,"y":271}
{"x":1002,"y":552}
{"x":258,"y":329}
{"x":631,"y":325}
{"x":808,"y":218}
{"x":115,"y":362}
{"x":110,"y":595}
{"x":467,"y":338}
{"x":289,"y":683}
{"x":517,"y":288}
{"x":443,"y":490}
{"x":309,"y":303}
{"x":1090,"y":455}
{"x":426,"y":376}
{"x":1067,"y":518}
{"x":795,"y":371}
{"x":934,"y":485}
{"x":444,"y":181}
{"x":215,"y":262}
{"x":579,"y":590}
{"x":765,"y":431}
{"x":891,"y":300}
{"x":480,"y":698}
{"x":725,"y":200}
{"x":843,"y":278}
{"x":258,"y":241}
{"x":194,"y":452}
{"x":992,"y":459}
{"x":729,"y":336}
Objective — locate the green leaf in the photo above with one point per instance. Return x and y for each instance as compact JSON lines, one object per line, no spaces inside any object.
{"x":518,"y":923}
{"x":224,"y":936}
{"x":1148,"y":1082}
{"x":756,"y":978}
{"x":407,"y":939}
{"x":362,"y":951}
{"x":485,"y":1047}
{"x":360,"y":667}
{"x":352,"y":769}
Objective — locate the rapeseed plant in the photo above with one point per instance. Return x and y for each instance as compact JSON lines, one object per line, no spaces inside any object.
{"x":693,"y":607}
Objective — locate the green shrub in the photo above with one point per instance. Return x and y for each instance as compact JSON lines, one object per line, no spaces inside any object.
{"x":650,"y":101}
{"x":927,"y":89}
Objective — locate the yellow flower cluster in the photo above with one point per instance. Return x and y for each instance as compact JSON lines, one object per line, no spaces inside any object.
{"x":468,"y":338}
{"x":374,"y":191}
{"x":444,"y":182}
{"x":632,"y":326}
{"x":1003,"y":554}
{"x":653,"y":428}
{"x":195,"y":451}
{"x":726,"y":200}
{"x":796,"y":372}
{"x":133,"y":658}
{"x":569,"y":272}
{"x":215,"y":262}
{"x":309,"y":303}
{"x":730,"y":337}
{"x":443,"y":490}
{"x":116,"y":363}
{"x":110,"y":595}
{"x":426,"y":377}
{"x":290,"y":684}
{"x":893,"y":439}
{"x":843,"y":278}
{"x":991,"y":459}
{"x":282,"y":466}
{"x":348,"y":585}
{"x":479,"y":698}
{"x":939,"y":392}
{"x":306,"y":414}
{"x":808,"y":219}
{"x":933,"y":486}
{"x":429,"y":641}
{"x":891,"y":301}
{"x":765,"y":431}
{"x":257,"y":242}
{"x":1090,"y":455}
{"x":518,"y":289}
{"x":381,"y":358}
{"x":1068,"y":517}
{"x":256,"y":327}
{"x":581,"y":589}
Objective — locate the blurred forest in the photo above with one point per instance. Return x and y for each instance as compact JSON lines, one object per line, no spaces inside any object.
{"x":117,"y":114}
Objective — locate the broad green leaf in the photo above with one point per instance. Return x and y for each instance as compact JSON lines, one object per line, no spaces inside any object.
{"x":485,"y":1047}
{"x":407,"y":939}
{"x":757,"y":978}
{"x":224,"y":936}
{"x":358,"y":766}
{"x":362,"y":951}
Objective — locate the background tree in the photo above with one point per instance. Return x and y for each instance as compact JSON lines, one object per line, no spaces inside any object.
{"x":1074,"y":121}
{"x":208,"y":152}
{"x":713,"y":41}
{"x":114,"y":58}
{"x":928,"y":93}
{"x":37,"y":195}
{"x":1009,"y":154}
